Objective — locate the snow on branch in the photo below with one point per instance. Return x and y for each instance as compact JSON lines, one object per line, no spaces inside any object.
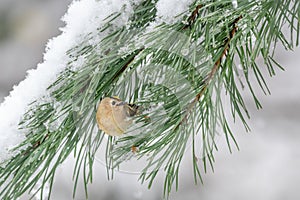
{"x":83,"y":17}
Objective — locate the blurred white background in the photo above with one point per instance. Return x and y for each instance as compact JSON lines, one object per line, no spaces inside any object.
{"x":266,"y":167}
{"x":25,"y":27}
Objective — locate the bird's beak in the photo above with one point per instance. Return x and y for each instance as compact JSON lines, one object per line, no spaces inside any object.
{"x":121,"y":103}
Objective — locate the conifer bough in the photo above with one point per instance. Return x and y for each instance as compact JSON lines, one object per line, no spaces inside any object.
{"x":179,"y":69}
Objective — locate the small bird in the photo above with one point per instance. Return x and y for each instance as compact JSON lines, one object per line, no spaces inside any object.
{"x":114,"y":116}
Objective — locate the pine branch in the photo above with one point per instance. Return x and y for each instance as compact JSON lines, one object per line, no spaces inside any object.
{"x":176,"y":71}
{"x":214,"y":69}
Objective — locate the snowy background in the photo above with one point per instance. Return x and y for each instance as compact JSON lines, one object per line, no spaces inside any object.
{"x":266,"y":167}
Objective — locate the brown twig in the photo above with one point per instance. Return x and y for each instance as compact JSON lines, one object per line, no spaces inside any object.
{"x":212,"y":72}
{"x":192,"y":17}
{"x":36,"y":145}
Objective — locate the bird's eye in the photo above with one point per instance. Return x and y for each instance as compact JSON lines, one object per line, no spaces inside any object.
{"x":113,"y":103}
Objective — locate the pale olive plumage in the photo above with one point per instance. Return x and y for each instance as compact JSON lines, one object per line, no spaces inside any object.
{"x":114,"y":116}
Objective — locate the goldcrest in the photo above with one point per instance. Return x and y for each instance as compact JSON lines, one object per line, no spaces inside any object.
{"x":114,"y":116}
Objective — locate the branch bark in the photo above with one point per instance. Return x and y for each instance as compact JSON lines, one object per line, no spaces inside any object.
{"x":212,"y":73}
{"x":192,"y":17}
